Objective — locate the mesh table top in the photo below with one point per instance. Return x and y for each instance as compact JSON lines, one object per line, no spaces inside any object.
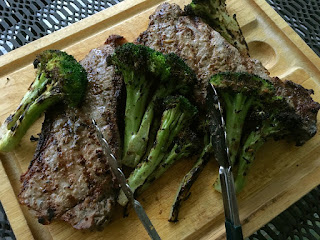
{"x":23,"y":21}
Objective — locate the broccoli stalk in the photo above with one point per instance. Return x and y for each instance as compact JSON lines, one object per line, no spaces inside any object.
{"x":215,"y":14}
{"x":180,"y":80}
{"x":184,"y":146}
{"x":270,"y":126}
{"x":59,"y":78}
{"x":143,"y":70}
{"x":188,"y":180}
{"x":140,"y":67}
{"x":177,"y":115}
{"x":237,"y":107}
{"x":240,"y":92}
{"x":138,"y":142}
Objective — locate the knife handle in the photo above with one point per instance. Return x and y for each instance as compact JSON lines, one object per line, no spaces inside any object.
{"x":233,"y":232}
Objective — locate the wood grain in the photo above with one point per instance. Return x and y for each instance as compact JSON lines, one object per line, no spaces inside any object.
{"x":280,"y":176}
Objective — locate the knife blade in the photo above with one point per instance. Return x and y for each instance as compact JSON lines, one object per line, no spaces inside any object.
{"x":221,"y":152}
{"x":124,"y":185}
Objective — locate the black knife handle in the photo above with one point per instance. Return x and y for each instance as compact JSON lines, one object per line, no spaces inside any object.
{"x":233,"y":232}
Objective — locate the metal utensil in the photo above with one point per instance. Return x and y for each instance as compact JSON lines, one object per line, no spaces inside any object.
{"x":124,"y":186}
{"x":221,"y":152}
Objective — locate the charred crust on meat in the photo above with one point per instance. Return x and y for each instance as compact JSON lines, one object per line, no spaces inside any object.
{"x":304,"y":109}
{"x":51,"y":214}
{"x":82,"y":160}
{"x":117,"y":40}
{"x":33,"y":138}
{"x":99,"y":153}
{"x":42,"y":221}
{"x":36,"y":63}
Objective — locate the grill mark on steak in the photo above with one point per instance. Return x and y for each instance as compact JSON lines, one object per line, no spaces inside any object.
{"x":203,"y":49}
{"x":69,"y":177}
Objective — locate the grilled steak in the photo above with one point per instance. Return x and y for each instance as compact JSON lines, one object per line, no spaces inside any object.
{"x":203,"y":49}
{"x":69,"y":177}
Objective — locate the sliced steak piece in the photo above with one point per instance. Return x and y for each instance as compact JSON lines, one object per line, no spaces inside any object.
{"x":203,"y":49}
{"x":305,"y":110}
{"x":69,"y":177}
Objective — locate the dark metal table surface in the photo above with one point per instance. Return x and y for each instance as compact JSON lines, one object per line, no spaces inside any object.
{"x":23,"y":21}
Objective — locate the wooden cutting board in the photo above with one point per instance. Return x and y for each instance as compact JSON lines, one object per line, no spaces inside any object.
{"x":280,"y":176}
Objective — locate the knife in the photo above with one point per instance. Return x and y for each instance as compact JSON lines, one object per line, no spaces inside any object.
{"x":221,"y":152}
{"x":124,"y":185}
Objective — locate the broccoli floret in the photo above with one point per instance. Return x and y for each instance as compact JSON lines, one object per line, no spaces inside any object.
{"x":292,"y":115}
{"x":270,"y":109}
{"x":206,"y":152}
{"x":177,"y":115}
{"x":268,"y":126}
{"x":59,"y":77}
{"x":185,"y":145}
{"x":180,"y":80}
{"x":140,"y":66}
{"x":240,"y":92}
{"x":149,"y":76}
{"x":215,"y":14}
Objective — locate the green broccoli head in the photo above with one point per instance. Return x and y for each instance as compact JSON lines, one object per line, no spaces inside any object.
{"x":59,"y":78}
{"x":130,"y":57}
{"x":64,"y":73}
{"x":182,"y":78}
{"x":180,"y":105}
{"x":139,"y":59}
{"x":244,"y":83}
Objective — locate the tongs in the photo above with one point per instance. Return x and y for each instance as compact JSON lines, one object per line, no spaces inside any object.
{"x":124,"y":186}
{"x":221,"y":152}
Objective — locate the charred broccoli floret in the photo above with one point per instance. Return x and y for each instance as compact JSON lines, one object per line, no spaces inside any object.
{"x":59,"y":78}
{"x":240,"y":92}
{"x":180,"y":80}
{"x":177,"y":115}
{"x":205,"y":151}
{"x":268,"y":125}
{"x":257,"y":110}
{"x":292,"y":116}
{"x":140,"y":67}
{"x":188,"y":180}
{"x":149,"y":77}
